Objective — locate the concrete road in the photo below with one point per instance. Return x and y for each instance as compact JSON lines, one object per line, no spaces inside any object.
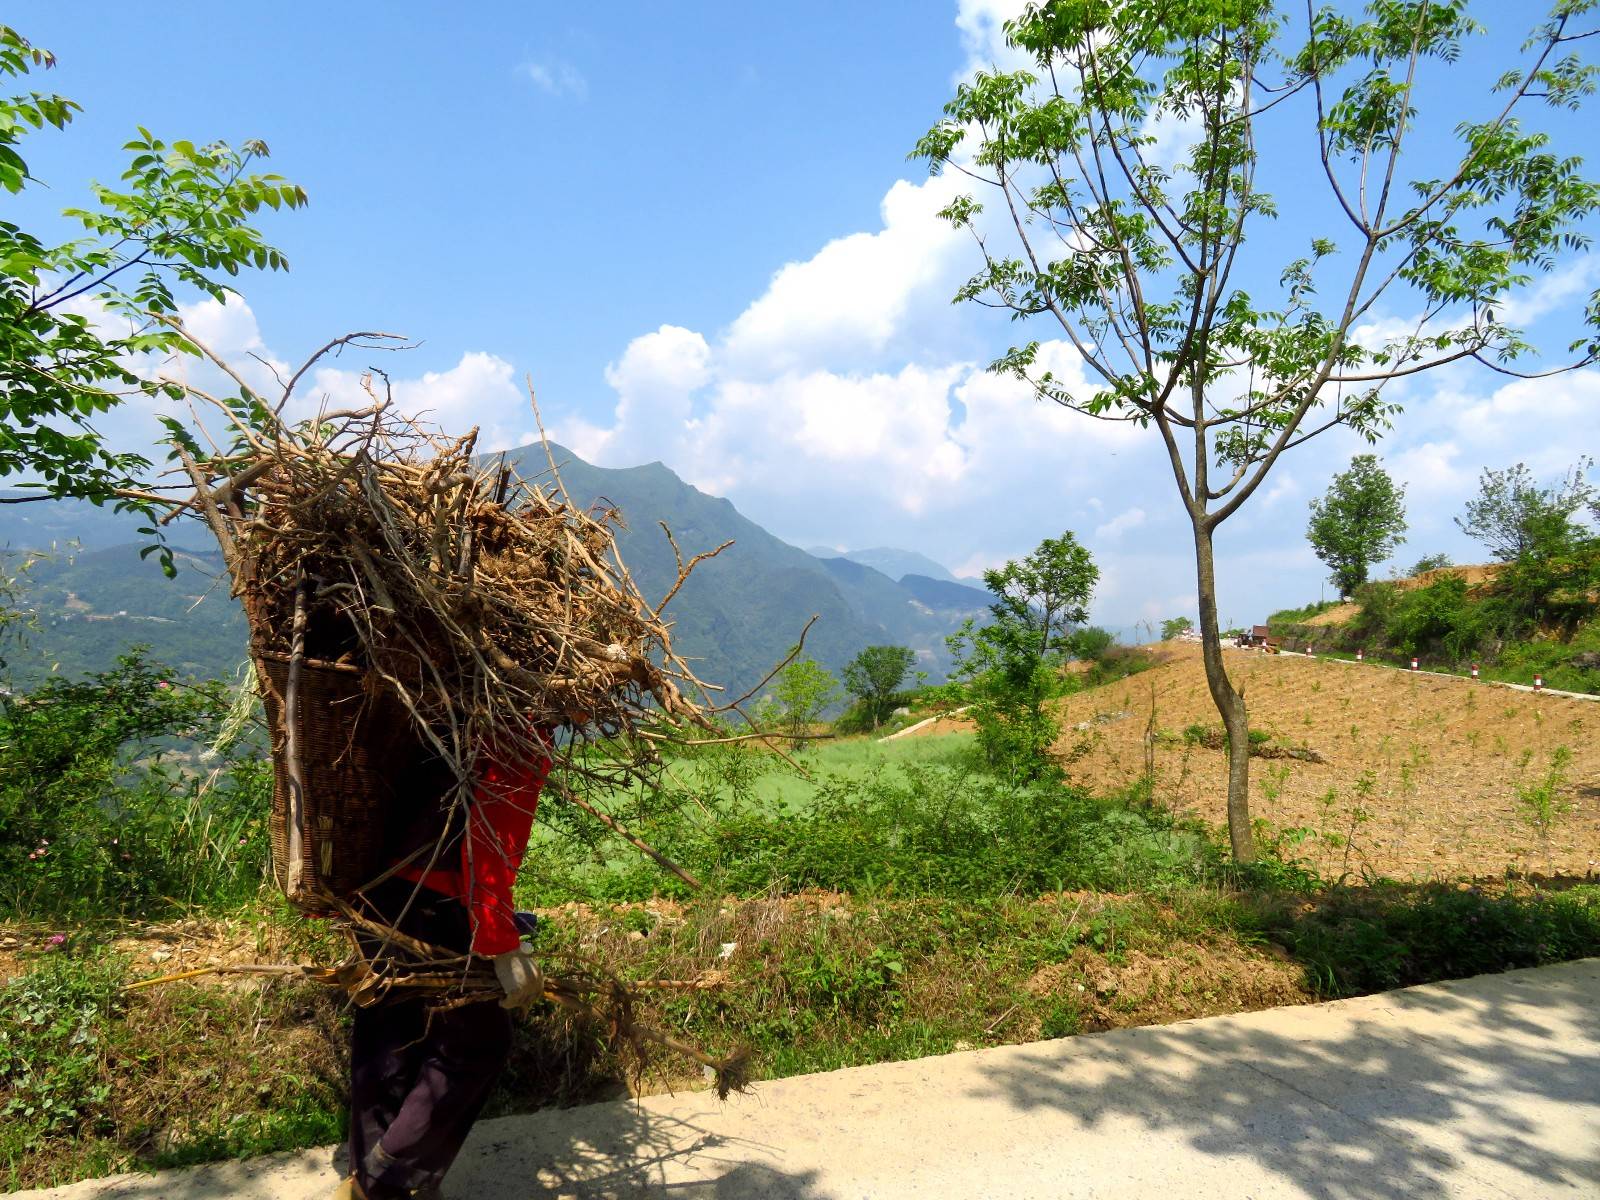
{"x":1488,"y":1087}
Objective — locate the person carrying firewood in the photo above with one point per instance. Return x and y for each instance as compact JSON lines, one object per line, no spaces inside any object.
{"x":419,"y":1075}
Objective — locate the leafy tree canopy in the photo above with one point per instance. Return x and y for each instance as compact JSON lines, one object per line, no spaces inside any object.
{"x":1168,"y":302}
{"x":1512,"y":514}
{"x":875,"y":675}
{"x":1171,"y":629}
{"x":1038,"y":597}
{"x":78,"y":319}
{"x":1358,"y":523}
{"x":801,"y":692}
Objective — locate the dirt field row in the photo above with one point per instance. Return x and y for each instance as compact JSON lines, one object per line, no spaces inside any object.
{"x":1422,"y":772}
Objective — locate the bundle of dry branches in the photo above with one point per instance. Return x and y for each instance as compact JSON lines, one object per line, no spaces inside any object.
{"x":480,"y":612}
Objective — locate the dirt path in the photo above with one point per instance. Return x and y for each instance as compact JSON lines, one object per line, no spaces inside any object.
{"x":1487,"y":1087}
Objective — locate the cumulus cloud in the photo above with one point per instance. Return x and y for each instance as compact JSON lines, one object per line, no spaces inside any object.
{"x":849,"y":299}
{"x":1120,"y":524}
{"x":981,"y":24}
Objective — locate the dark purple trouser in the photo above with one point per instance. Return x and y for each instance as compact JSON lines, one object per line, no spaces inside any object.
{"x":419,"y":1078}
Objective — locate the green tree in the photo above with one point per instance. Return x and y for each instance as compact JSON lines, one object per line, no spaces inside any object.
{"x":1042,"y":594}
{"x":77,"y":318}
{"x":802,"y":691}
{"x":1171,"y":629}
{"x":1004,"y":668}
{"x":1090,"y":642}
{"x":1358,"y":523}
{"x":1512,"y":514}
{"x":875,"y":675}
{"x":1429,"y":562}
{"x":1156,"y":272}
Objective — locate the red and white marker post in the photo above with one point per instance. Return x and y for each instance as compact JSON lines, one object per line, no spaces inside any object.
{"x":1361,"y":655}
{"x":1538,"y":682}
{"x":1413,"y":662}
{"x":1474,"y":670}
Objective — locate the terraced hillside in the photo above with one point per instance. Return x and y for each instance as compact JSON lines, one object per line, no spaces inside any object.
{"x":1420,"y":776}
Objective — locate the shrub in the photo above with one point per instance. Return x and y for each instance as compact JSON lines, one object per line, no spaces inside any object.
{"x":107,"y":802}
{"x":938,"y":831}
{"x":1090,"y":643}
{"x":1368,"y":939}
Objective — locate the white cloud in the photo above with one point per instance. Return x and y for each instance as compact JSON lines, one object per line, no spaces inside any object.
{"x":481,"y":391}
{"x":1429,"y":469}
{"x":981,"y":24}
{"x":655,"y":381}
{"x":1543,"y":408}
{"x":849,"y":299}
{"x":1283,"y":486}
{"x":555,"y":77}
{"x":1113,"y":529}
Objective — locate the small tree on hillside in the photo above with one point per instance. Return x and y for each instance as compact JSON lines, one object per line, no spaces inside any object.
{"x":875,"y":675}
{"x":1429,"y":562}
{"x":1090,"y":642}
{"x":1511,"y":513}
{"x":1174,"y":305}
{"x":1358,"y":523}
{"x":1004,"y":668}
{"x":1046,"y":592}
{"x":1171,"y":629}
{"x":801,"y":693}
{"x":1552,"y":559}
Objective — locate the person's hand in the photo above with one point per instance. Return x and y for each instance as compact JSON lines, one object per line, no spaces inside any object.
{"x":521,"y":978}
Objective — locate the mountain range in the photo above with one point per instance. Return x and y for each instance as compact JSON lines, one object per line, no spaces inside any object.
{"x":739,"y":613}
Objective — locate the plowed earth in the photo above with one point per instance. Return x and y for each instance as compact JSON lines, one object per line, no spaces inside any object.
{"x":1422,"y":775}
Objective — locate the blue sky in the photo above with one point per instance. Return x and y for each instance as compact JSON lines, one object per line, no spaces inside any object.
{"x":695,"y":228}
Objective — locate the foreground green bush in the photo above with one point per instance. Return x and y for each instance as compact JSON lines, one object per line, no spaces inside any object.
{"x":929,"y":831}
{"x":1353,"y":940}
{"x":109,"y":802}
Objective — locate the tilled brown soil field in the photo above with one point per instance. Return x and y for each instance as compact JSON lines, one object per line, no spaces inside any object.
{"x":1421,"y":777}
{"x":1421,"y":773}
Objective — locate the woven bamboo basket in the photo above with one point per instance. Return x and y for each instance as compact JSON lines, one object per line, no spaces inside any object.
{"x":350,"y":739}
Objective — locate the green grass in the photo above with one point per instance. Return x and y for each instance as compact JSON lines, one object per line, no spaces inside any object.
{"x":894,"y":901}
{"x":918,"y":818}
{"x":1296,"y":616}
{"x":859,"y":759}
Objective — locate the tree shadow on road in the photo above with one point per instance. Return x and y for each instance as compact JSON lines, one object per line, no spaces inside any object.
{"x":614,"y":1150}
{"x":1401,"y":1105}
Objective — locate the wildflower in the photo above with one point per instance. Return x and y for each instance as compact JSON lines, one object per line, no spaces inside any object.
{"x":56,"y":939}
{"x":163,"y":685}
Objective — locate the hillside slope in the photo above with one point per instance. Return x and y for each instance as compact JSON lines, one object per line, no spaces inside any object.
{"x":738,"y":615}
{"x":1434,"y":762}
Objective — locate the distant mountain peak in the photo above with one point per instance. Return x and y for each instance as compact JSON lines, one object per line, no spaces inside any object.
{"x":890,"y":560}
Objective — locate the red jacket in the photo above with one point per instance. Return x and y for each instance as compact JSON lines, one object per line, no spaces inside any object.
{"x":499,"y":822}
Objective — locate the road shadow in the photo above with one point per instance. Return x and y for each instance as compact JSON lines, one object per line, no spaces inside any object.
{"x":619,"y":1150}
{"x":1402,"y":1106}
